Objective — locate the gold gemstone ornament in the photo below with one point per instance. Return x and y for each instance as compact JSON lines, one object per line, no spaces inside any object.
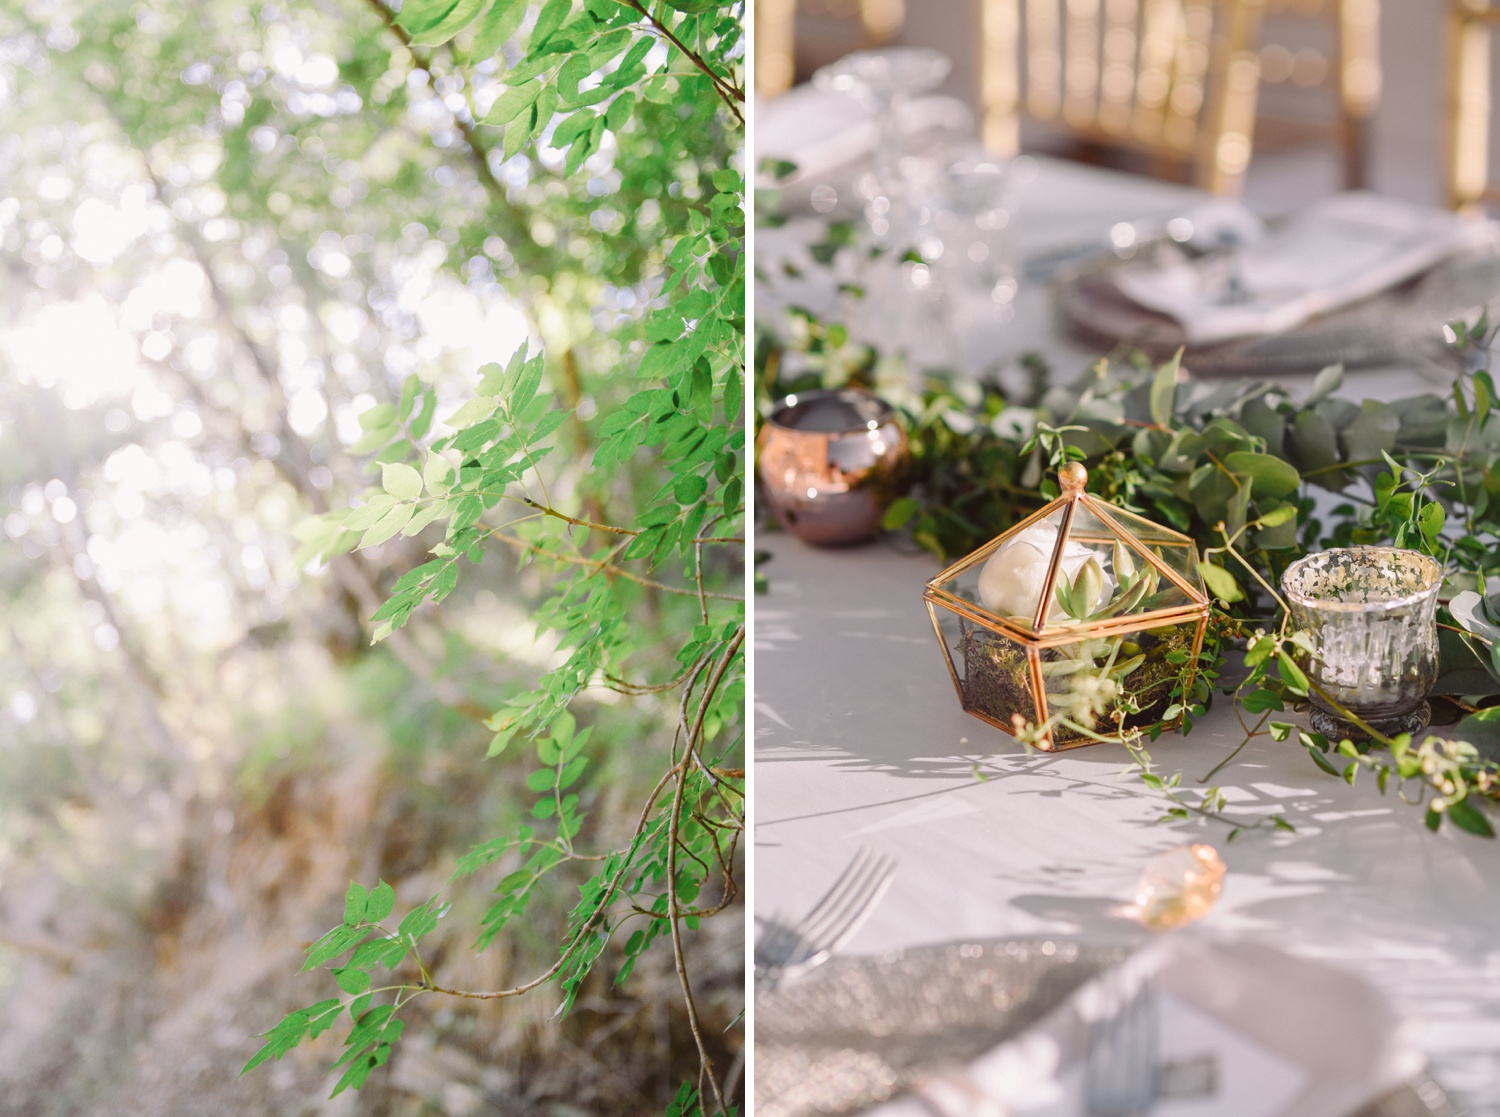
{"x":1080,"y":624}
{"x":1177,"y":887}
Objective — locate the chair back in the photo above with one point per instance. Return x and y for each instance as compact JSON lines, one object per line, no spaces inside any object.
{"x":1174,"y":80}
{"x":873,"y":23}
{"x":1320,"y":78}
{"x":1470,"y":23}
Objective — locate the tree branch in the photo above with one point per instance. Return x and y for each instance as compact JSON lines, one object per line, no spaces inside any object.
{"x":732,"y":94}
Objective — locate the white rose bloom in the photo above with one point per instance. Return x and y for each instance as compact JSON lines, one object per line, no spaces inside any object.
{"x":1011,"y":583}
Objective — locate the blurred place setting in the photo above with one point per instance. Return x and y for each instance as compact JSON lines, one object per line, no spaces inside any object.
{"x":1125,"y":656}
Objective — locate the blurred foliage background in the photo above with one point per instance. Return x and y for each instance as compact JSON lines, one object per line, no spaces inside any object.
{"x":227,"y":231}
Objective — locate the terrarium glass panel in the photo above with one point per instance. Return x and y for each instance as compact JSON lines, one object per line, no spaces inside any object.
{"x":1101,"y":685}
{"x":1009,"y":588}
{"x":1177,"y":551}
{"x":992,"y":670}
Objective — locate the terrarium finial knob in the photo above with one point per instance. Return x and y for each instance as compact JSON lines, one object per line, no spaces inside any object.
{"x":1072,"y":477}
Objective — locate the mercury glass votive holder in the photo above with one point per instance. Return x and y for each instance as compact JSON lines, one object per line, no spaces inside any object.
{"x":1370,"y":612}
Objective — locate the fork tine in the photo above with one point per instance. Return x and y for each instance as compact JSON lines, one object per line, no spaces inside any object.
{"x":852,"y":898}
{"x":838,"y":913}
{"x":830,"y":901}
{"x":858,"y":912}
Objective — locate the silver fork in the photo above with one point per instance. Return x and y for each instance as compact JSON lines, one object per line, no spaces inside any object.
{"x":784,"y":951}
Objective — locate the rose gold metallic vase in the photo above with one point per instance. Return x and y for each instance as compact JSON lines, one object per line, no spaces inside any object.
{"x":831,"y":462}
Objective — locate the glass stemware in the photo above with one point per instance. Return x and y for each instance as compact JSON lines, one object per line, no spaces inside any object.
{"x":881,"y":80}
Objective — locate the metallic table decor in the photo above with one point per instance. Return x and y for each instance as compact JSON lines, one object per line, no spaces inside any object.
{"x":1371,"y":614}
{"x":1080,"y":623}
{"x":831,"y":462}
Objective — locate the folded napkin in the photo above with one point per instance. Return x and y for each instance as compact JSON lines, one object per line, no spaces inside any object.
{"x":1337,"y":251}
{"x":1247,"y":1031}
{"x":822,"y":132}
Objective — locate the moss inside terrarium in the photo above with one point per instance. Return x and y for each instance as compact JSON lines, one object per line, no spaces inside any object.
{"x":997,"y":678}
{"x":1107,"y":684}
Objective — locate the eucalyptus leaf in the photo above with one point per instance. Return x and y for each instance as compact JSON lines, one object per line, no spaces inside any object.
{"x":1313,"y":445}
{"x":1164,"y":391}
{"x":1270,"y":475}
{"x":1328,"y":381}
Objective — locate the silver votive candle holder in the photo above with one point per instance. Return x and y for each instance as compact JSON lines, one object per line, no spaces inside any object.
{"x":1371,"y":615}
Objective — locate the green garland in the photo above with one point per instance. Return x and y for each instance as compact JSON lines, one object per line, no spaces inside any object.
{"x":1233,"y":466}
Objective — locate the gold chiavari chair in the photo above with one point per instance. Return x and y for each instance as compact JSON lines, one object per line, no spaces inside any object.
{"x":1468,"y":108}
{"x":878,"y":22}
{"x":1308,"y":46}
{"x":1173,"y":80}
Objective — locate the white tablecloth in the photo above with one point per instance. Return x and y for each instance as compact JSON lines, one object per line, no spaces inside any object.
{"x":859,"y":740}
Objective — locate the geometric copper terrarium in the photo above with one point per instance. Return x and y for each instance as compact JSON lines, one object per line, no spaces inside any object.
{"x":1083,"y":621}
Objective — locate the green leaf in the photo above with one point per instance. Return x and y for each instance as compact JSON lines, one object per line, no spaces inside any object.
{"x":1260,"y":700}
{"x":512,"y":103}
{"x":387,"y":526}
{"x":499,"y":24}
{"x":1431,"y":518}
{"x":1325,"y":384}
{"x":575,"y":125}
{"x":1278,"y":516}
{"x":282,"y":1038}
{"x":1270,"y":476}
{"x":424,"y":516}
{"x":459,"y":16}
{"x":373,"y":440}
{"x":369,"y":513}
{"x":423,"y":421}
{"x":690,"y":489}
{"x":401,"y":481}
{"x":382,"y":900}
{"x":1314,"y":444}
{"x":1322,"y":762}
{"x":417,"y":16}
{"x":420,"y":920}
{"x":477,"y":409}
{"x":551,"y":17}
{"x":409,"y":389}
{"x":1469,"y":818}
{"x":619,"y":111}
{"x":519,"y":132}
{"x":900,"y":513}
{"x":354,"y":904}
{"x":351,"y":980}
{"x":466,"y":511}
{"x":375,"y":418}
{"x":1220,"y":582}
{"x":1291,"y":674}
{"x":1212,"y":490}
{"x":1373,"y":433}
{"x":331,"y":945}
{"x":437,"y":474}
{"x":1164,"y":391}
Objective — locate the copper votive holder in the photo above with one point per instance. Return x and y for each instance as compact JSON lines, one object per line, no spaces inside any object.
{"x":831,"y":462}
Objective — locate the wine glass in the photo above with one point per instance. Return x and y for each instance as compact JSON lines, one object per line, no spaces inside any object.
{"x":882,"y":80}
